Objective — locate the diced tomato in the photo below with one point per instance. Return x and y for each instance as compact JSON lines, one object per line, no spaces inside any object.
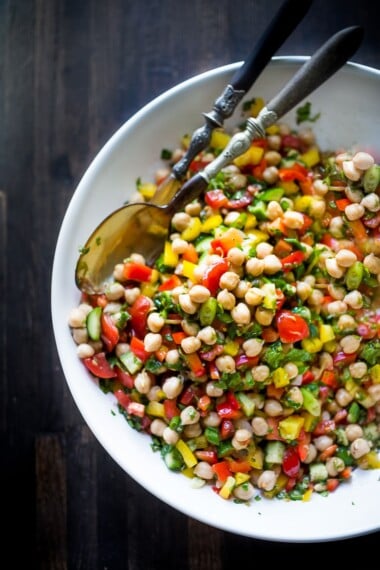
{"x":124,"y":378}
{"x":197,"y":165}
{"x":291,"y":141}
{"x":136,"y":409}
{"x":303,"y":444}
{"x":190,"y":254}
{"x":213,"y":274}
{"x":358,"y":230}
{"x":226,"y":411}
{"x":213,"y":372}
{"x":226,"y":429}
{"x":138,"y":349}
{"x":171,"y":409}
{"x":223,"y":244}
{"x":332,"y":484}
{"x":291,"y":462}
{"x":99,"y":366}
{"x":295,"y":172}
{"x":110,"y":332}
{"x":307,"y":377}
{"x":139,"y":313}
{"x":170,"y":283}
{"x":123,"y":398}
{"x":240,"y":466}
{"x":211,"y":354}
{"x":222,"y":470}
{"x":324,"y":427}
{"x":137,"y":272}
{"x":216,"y":199}
{"x":242,"y":360}
{"x":307,"y":223}
{"x":161,"y":353}
{"x":292,"y":260}
{"x":204,"y":403}
{"x":291,"y":327}
{"x":291,"y":483}
{"x":273,"y":392}
{"x":343,"y":359}
{"x":328,"y":452}
{"x":282,"y":248}
{"x":371,"y":414}
{"x":342,"y":204}
{"x":240,"y":203}
{"x":269,"y":334}
{"x":187,"y":396}
{"x":273,"y":433}
{"x":329,"y":378}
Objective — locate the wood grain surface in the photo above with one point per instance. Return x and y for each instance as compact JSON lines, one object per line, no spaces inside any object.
{"x":72,"y":71}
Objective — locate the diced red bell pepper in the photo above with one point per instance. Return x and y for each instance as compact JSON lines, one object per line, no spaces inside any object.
{"x":258,"y":170}
{"x":303,"y":444}
{"x":342,"y":204}
{"x":222,"y":470}
{"x":228,"y":412}
{"x":240,"y":466}
{"x":137,"y":272}
{"x":291,"y":462}
{"x":292,"y":260}
{"x":206,"y":455}
{"x":171,"y":283}
{"x":179,"y":336}
{"x":190,"y":254}
{"x":138,"y":349}
{"x":332,"y":484}
{"x":171,"y":409}
{"x":307,"y":377}
{"x":329,"y":378}
{"x":295,"y":172}
{"x":194,"y":363}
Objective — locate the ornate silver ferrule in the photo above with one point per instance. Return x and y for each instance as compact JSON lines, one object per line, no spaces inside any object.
{"x":225,"y":105}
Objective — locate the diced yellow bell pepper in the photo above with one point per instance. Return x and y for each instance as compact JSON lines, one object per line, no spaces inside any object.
{"x":302,"y":203}
{"x":155,"y":409}
{"x":188,"y":269}
{"x":326,"y":333}
{"x":351,"y":387}
{"x":311,"y":157}
{"x":211,"y":223}
{"x":155,"y":276}
{"x":255,"y":457}
{"x":330,"y":346}
{"x":227,"y":488}
{"x":374,"y":372}
{"x":219,"y":139}
{"x":241,"y":478}
{"x":272,"y":130}
{"x":193,"y":230}
{"x":255,"y":237}
{"x":231,"y":347}
{"x":280,"y":378}
{"x":281,"y":483}
{"x":170,"y":258}
{"x":365,"y":399}
{"x":256,"y":105}
{"x":312,"y":344}
{"x":147,"y":190}
{"x":310,"y":421}
{"x":201,"y":442}
{"x":370,"y":460}
{"x":307,"y":495}
{"x":148,"y":289}
{"x":188,"y":472}
{"x":185,"y":141}
{"x":291,"y":426}
{"x":250,"y":222}
{"x":252,"y":156}
{"x":289,"y":187}
{"x":188,"y":456}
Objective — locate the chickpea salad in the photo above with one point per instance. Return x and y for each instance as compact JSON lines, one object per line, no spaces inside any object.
{"x":250,"y":352}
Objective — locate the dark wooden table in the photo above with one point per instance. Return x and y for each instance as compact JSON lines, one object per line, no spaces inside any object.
{"x":72,"y":71}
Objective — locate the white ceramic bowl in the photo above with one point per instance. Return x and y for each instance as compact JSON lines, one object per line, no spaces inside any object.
{"x":350,"y":115}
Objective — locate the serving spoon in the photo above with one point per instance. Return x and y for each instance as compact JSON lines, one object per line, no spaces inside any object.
{"x":143,"y":228}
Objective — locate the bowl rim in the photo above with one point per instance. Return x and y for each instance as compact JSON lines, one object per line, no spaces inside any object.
{"x":91,"y":171}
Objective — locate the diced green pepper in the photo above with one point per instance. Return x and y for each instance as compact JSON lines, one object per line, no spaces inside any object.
{"x":212,"y":435}
{"x":310,"y":402}
{"x":207,"y":311}
{"x":354,"y":275}
{"x":259,"y":210}
{"x":271,"y":194}
{"x":353,"y":413}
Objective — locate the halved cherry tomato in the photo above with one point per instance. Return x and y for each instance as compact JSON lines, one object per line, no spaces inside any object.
{"x":124,"y":378}
{"x":291,"y":327}
{"x":99,"y":366}
{"x":213,"y":274}
{"x":291,"y":141}
{"x":123,"y":398}
{"x":110,"y":332}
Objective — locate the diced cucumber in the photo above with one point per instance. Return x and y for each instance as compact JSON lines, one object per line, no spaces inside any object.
{"x":354,"y":275}
{"x":247,"y":404}
{"x":272,"y":194}
{"x":310,"y":403}
{"x":274,"y":452}
{"x":353,"y":413}
{"x":258,"y":209}
{"x":173,"y":460}
{"x":318,"y":472}
{"x":203,"y":245}
{"x":93,"y":323}
{"x":131,"y":362}
{"x":207,"y":311}
{"x":371,"y":178}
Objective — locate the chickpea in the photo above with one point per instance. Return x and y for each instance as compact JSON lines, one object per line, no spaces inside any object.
{"x":121,"y":348}
{"x":372,"y":263}
{"x":238,"y":180}
{"x":193,"y":209}
{"x":354,"y":211}
{"x":189,"y":415}
{"x":336,"y":307}
{"x":212,"y":420}
{"x":374,"y":393}
{"x":273,"y":408}
{"x":181,"y":221}
{"x":333,"y":268}
{"x":311,"y":454}
{"x":77,"y":318}
{"x":267,"y":480}
{"x":207,"y":335}
{"x":229,"y":280}
{"x":226,"y":299}
{"x":252,"y":347}
{"x":336,"y":226}
{"x":170,"y":436}
{"x":152,"y":342}
{"x":291,"y":370}
{"x":350,"y":343}
{"x":274,"y":142}
{"x":260,"y":373}
{"x":187,"y":305}
{"x":231,"y":218}
{"x":244,"y":492}
{"x":303,"y":290}
{"x":236,"y":256}
{"x":264,"y":316}
{"x":157,"y":427}
{"x":272,"y":264}
{"x":254,"y":266}
{"x":317,"y":208}
{"x":343,"y":397}
{"x":274,"y":210}
{"x":172,"y":357}
{"x":199,"y":294}
{"x":359,"y":447}
{"x":363,"y":160}
{"x":143,"y":383}
{"x":190,"y":344}
{"x":320,"y":187}
{"x":213,"y":391}
{"x":354,"y":299}
{"x":80,"y":335}
{"x":259,"y":426}
{"x":350,"y":170}
{"x":241,"y":289}
{"x":204,"y":470}
{"x":192,"y":430}
{"x":225,"y":363}
{"x":336,"y":292}
{"x":241,"y":314}
{"x":85,"y":350}
{"x":118,"y":272}
{"x":263,"y":249}
{"x":172,"y":387}
{"x":241,"y":439}
{"x":179,"y":245}
{"x":334,"y":466}
{"x":270,"y":174}
{"x":353,"y":431}
{"x":155,"y":322}
{"x":293,"y":220}
{"x":254,"y":296}
{"x":345,"y":257}
{"x":130,"y":295}
{"x":346,"y":322}
{"x":322,"y":442}
{"x":371,"y":202}
{"x":272,"y":157}
{"x":114,"y":291}
{"x":354,"y":195}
